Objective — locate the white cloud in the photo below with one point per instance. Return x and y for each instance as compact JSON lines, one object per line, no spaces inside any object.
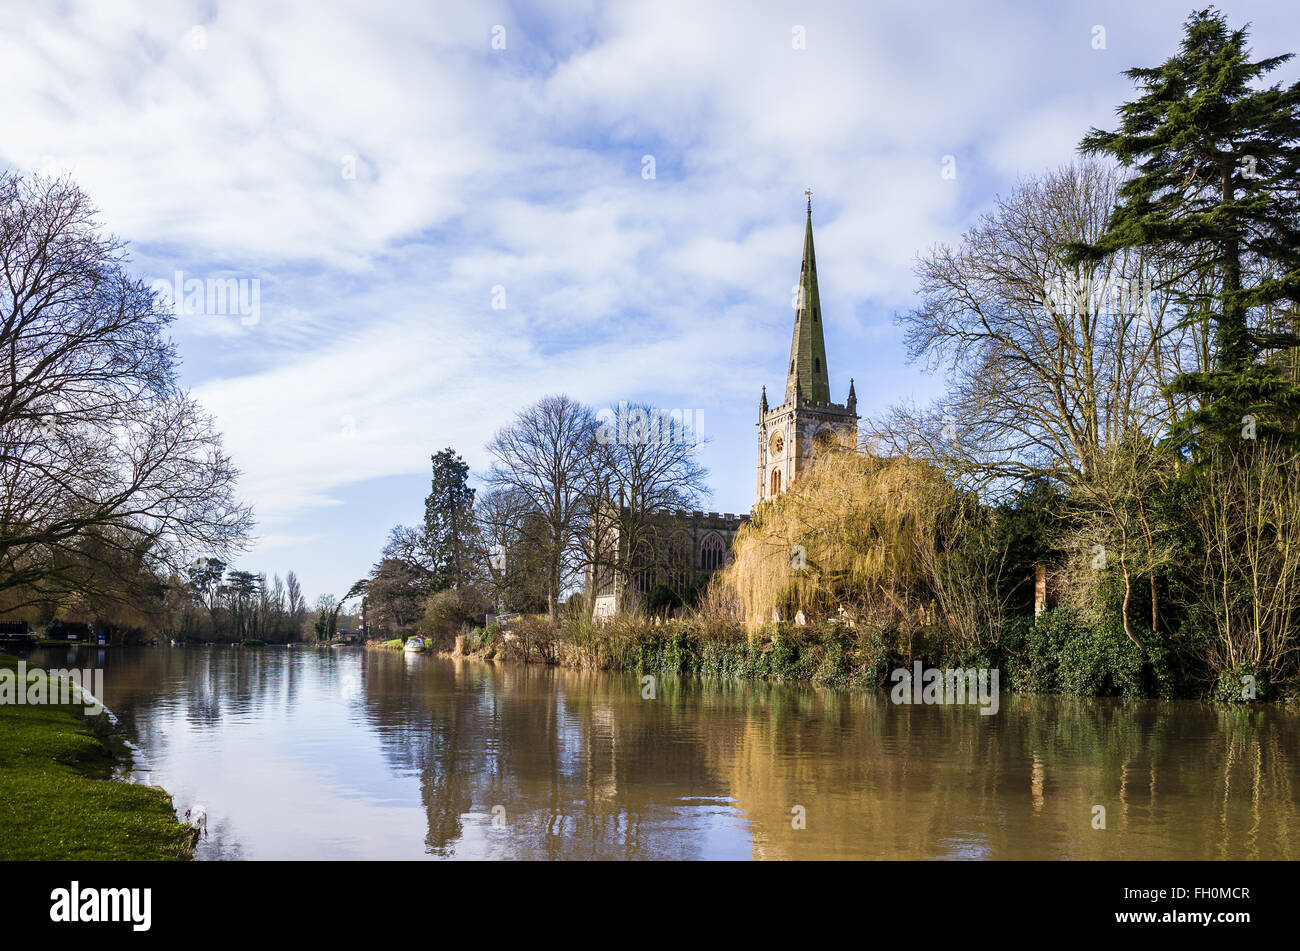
{"x":523,"y":168}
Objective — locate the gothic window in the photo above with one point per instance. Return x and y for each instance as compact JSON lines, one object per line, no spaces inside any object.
{"x":817,"y":365}
{"x":777,"y":444}
{"x":776,"y":482}
{"x":814,"y":315}
{"x":712,"y":553}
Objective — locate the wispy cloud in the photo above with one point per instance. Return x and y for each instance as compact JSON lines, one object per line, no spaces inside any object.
{"x":387,"y":175}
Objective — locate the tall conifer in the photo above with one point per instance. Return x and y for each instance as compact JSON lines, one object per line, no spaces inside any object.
{"x":1215,"y":157}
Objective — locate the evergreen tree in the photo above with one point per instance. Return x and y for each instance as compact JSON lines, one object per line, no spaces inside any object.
{"x":449,"y":521}
{"x":1216,"y":160}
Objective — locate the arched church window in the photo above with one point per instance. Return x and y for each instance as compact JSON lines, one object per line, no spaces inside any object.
{"x":776,"y":481}
{"x":712,"y":553}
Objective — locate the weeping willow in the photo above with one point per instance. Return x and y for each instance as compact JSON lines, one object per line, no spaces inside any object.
{"x":855,"y":534}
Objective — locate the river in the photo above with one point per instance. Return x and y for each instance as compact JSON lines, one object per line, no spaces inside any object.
{"x":352,"y":754}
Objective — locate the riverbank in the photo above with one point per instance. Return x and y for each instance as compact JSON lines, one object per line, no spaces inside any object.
{"x":58,"y":799}
{"x":1057,"y":654}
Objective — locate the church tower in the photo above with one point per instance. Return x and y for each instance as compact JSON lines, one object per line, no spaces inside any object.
{"x":791,"y":435}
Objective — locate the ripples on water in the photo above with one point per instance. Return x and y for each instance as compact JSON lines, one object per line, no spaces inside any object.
{"x":319,"y":754}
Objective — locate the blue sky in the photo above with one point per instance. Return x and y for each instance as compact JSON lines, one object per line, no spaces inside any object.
{"x":218,"y":138}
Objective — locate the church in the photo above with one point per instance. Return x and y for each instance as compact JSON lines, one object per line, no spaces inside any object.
{"x":691,"y":546}
{"x":807,"y":422}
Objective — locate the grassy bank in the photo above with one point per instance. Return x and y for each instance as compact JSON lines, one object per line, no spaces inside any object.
{"x":57,"y":800}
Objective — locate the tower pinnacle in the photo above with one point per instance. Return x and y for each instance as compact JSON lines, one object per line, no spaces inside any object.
{"x":808,"y":373}
{"x":795,"y":433}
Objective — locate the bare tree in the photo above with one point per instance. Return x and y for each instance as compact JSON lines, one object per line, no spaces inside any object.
{"x":647,"y":466}
{"x":1115,"y":517}
{"x":295,"y":603}
{"x":1051,"y":364}
{"x":545,"y":455}
{"x":1248,"y":521}
{"x":512,"y":543}
{"x":96,"y":437}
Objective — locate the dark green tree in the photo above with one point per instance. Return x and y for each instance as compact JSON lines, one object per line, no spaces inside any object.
{"x":205,"y":577}
{"x":241,"y":588}
{"x":449,"y":530}
{"x":1215,"y":157}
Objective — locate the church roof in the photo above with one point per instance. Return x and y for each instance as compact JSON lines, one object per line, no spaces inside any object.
{"x":808,"y":378}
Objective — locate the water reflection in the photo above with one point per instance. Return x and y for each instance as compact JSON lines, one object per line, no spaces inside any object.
{"x":370,"y":754}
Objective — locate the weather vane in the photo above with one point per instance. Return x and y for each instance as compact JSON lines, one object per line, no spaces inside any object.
{"x":808,"y":192}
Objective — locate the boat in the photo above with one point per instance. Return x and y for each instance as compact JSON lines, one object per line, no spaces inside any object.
{"x":414,"y":645}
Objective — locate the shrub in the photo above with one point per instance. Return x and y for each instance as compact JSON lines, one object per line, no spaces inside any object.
{"x":1100,"y":661}
{"x":448,"y":613}
{"x":533,"y":640}
{"x":1064,"y":652}
{"x":1230,"y":686}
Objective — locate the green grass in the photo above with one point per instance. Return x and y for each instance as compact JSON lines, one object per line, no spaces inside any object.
{"x":57,"y":800}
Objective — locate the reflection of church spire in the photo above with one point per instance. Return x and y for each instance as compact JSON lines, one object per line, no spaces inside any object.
{"x":808,"y":375}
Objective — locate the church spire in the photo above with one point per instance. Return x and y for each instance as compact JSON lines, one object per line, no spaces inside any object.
{"x":808,"y":377}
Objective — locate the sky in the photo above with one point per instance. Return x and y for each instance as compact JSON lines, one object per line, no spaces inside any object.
{"x":439,"y":213}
